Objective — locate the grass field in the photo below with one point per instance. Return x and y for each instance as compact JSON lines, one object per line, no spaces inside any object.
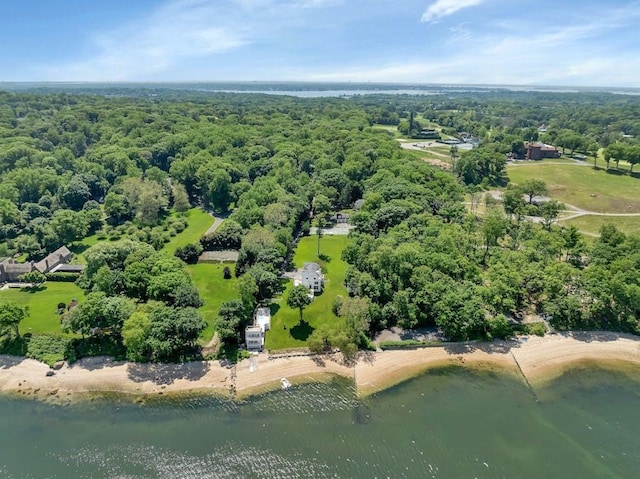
{"x":43,"y":304}
{"x":286,"y":329}
{"x":199,"y":222}
{"x":592,"y":224}
{"x":584,"y":187}
{"x":214,"y":290}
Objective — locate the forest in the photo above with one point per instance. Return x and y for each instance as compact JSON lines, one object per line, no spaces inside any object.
{"x":114,"y":176}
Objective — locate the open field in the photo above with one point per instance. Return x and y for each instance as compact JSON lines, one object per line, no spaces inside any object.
{"x":286,"y":329}
{"x":199,"y":222}
{"x":592,"y":224}
{"x":214,"y":290}
{"x":43,"y":302}
{"x":584,"y":187}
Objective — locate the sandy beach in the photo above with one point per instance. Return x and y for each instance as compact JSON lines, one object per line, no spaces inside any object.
{"x":533,"y":359}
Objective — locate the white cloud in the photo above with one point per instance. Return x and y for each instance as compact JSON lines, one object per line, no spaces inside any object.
{"x":572,"y":54}
{"x":179,"y":30}
{"x":444,"y":8}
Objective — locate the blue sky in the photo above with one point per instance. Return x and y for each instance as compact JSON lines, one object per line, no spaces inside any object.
{"x":561,"y":42}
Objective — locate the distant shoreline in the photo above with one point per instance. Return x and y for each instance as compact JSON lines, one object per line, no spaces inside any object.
{"x":534,"y":360}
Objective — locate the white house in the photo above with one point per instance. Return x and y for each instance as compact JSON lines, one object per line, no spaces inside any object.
{"x":254,"y":334}
{"x":311,"y":277}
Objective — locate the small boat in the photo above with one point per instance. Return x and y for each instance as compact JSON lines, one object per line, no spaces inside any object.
{"x":284,"y":382}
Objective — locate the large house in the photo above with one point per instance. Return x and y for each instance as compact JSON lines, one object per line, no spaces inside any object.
{"x":10,"y":271}
{"x":312,"y":277}
{"x":254,"y":333}
{"x":538,"y":151}
{"x":60,"y":256}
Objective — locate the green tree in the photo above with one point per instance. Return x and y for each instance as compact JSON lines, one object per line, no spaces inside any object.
{"x":533,"y":187}
{"x":69,"y":225}
{"x":173,"y":332}
{"x":33,"y":277}
{"x":11,"y":314}
{"x":180,"y":198}
{"x":493,"y":228}
{"x":135,"y":336}
{"x":299,"y":298}
{"x":549,"y":211}
{"x":231,"y":320}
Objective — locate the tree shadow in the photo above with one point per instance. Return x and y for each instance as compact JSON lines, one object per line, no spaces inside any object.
{"x":274,"y":308}
{"x":301,"y":331}
{"x":78,"y":248}
{"x":94,"y":363}
{"x":595,"y":336}
{"x":616,"y":172}
{"x":493,"y":347}
{"x":164,"y":374}
{"x":33,"y":289}
{"x":324,"y":257}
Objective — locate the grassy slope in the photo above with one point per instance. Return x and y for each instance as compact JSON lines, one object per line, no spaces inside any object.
{"x":286,"y":332}
{"x":576,"y":185}
{"x":199,"y":222}
{"x":592,"y":224}
{"x":43,"y":305}
{"x":214,"y":290}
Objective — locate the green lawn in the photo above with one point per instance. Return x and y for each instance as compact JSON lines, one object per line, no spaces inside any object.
{"x":43,"y":304}
{"x":584,"y":187}
{"x":286,"y":329}
{"x":199,"y":222}
{"x":592,"y":224}
{"x":214,"y":290}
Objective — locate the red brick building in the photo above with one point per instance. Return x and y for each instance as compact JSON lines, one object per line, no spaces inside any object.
{"x":538,"y":151}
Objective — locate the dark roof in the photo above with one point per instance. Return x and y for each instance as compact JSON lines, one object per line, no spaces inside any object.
{"x":52,"y":260}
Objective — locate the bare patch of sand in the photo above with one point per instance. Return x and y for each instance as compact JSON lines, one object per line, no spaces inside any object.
{"x":543,"y":359}
{"x":536,"y":359}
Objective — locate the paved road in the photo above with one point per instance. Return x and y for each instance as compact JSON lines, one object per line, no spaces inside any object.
{"x":217,"y":222}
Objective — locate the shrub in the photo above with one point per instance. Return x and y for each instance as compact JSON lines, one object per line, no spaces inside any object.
{"x":50,"y":349}
{"x":189,"y":253}
{"x":337,"y":304}
{"x":226,"y":272}
{"x":62,"y":277}
{"x":102,"y":345}
{"x":408,"y":343}
{"x":35,"y":277}
{"x":538,"y":329}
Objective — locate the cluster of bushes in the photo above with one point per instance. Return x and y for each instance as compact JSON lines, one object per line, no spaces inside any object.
{"x":156,"y":236}
{"x":62,"y":277}
{"x":189,"y":253}
{"x":49,"y":349}
{"x":408,"y":343}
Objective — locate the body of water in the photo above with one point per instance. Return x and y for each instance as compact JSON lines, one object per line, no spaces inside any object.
{"x":449,"y":423}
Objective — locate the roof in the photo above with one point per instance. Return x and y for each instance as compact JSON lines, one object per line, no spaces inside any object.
{"x":311,"y":266}
{"x":53,"y":259}
{"x":69,"y":268}
{"x":18,"y":267}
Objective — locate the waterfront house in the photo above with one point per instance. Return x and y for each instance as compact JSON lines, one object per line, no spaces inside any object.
{"x":254,"y":334}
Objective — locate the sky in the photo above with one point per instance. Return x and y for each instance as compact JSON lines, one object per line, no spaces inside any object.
{"x":513,"y":42}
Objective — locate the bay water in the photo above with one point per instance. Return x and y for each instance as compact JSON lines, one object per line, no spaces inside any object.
{"x":448,"y":423}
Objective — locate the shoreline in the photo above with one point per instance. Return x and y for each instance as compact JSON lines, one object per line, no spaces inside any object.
{"x":536,"y":361}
